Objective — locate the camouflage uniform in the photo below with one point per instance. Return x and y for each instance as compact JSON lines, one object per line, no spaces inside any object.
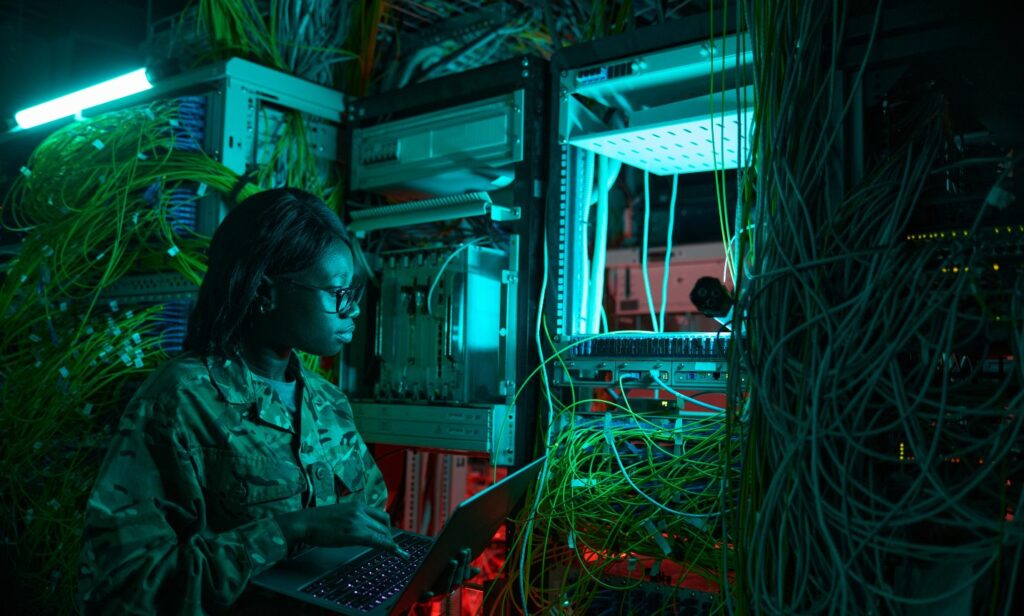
{"x":180,"y":517}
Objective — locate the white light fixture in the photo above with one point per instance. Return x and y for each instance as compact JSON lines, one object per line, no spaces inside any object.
{"x":691,"y":136}
{"x":73,"y":104}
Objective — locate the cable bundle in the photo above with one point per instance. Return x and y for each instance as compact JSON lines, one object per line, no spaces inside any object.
{"x":300,"y":37}
{"x":62,"y":389}
{"x":292,"y":159}
{"x":623,"y":495}
{"x":425,"y":39}
{"x":98,"y":199}
{"x":110,"y":193}
{"x":630,"y":492}
{"x":867,"y":463}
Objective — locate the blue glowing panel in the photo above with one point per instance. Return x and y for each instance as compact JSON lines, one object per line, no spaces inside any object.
{"x":688,"y":136}
{"x":678,"y":146}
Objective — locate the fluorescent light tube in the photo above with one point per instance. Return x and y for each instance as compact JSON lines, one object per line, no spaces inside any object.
{"x":73,"y":104}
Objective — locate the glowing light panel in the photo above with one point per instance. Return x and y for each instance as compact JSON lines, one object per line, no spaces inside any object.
{"x":680,"y":145}
{"x":71,"y":104}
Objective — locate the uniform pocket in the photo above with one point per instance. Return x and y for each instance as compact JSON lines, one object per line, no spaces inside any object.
{"x":350,"y":476}
{"x":242,"y":488}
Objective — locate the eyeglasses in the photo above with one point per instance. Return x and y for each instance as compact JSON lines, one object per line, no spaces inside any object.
{"x":345,"y":298}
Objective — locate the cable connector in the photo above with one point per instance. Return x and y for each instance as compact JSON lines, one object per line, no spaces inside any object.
{"x":657,"y":379}
{"x":658,"y":537}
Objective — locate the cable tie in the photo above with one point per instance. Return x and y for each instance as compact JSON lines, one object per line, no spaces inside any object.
{"x":201,"y":189}
{"x":23,"y":279}
{"x":25,"y":171}
{"x":174,"y":123}
{"x":999,"y":198}
{"x":142,"y":156}
{"x":129,"y":314}
{"x":64,"y":372}
{"x":135,"y":218}
{"x":658,"y":537}
{"x":87,"y":409}
{"x":137,"y":339}
{"x":127,"y":360}
{"x":138,"y":362}
{"x":173,"y":251}
{"x":101,"y":255}
{"x":34,"y":338}
{"x":246,"y":178}
{"x":98,"y":144}
{"x":113,"y":305}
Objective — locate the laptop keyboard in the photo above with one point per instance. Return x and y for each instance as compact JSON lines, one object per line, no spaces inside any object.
{"x":373,"y":578}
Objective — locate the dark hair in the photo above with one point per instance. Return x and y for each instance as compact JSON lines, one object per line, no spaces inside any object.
{"x":277,"y":231}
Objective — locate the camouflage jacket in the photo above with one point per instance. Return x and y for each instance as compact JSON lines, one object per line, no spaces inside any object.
{"x":180,"y":519}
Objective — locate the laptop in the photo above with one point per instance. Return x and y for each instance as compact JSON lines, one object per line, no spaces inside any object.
{"x":371,"y":581}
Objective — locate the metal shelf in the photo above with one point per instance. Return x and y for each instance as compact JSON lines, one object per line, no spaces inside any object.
{"x":691,"y":136}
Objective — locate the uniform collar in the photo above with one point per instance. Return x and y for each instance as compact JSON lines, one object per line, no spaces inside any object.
{"x":239,"y":385}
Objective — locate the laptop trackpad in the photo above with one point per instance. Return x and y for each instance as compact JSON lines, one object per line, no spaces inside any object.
{"x":309,"y":565}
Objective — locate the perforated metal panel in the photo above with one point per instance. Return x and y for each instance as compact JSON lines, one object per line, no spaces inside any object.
{"x":687,"y":137}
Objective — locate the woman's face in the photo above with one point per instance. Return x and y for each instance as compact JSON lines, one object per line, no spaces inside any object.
{"x":306,"y":319}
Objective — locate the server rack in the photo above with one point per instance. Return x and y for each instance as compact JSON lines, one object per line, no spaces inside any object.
{"x":466,"y":145}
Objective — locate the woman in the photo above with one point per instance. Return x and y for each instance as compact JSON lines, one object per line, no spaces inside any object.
{"x":231,"y":454}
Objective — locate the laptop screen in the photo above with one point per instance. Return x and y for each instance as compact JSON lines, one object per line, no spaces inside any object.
{"x":471,"y":525}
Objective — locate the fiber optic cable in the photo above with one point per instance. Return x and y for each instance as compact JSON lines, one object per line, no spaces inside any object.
{"x":643,"y":252}
{"x":668,"y":252}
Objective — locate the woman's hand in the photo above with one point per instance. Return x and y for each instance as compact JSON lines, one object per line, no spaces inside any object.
{"x":339,"y":525}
